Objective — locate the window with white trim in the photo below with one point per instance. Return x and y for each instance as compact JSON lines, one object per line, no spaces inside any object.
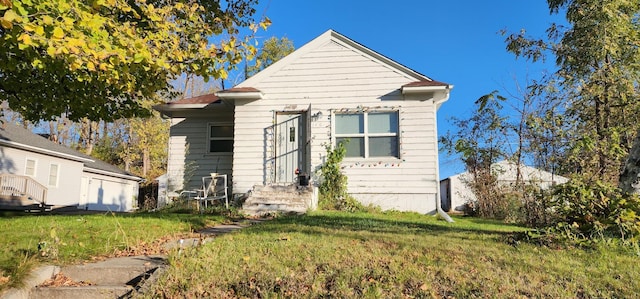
{"x":220,"y":138}
{"x":369,"y":134}
{"x":30,"y":167}
{"x":54,"y":170}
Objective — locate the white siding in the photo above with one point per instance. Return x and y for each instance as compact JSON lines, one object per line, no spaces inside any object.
{"x":106,"y":193}
{"x":189,"y":159}
{"x":330,"y":78}
{"x":66,"y":193}
{"x":461,"y":193}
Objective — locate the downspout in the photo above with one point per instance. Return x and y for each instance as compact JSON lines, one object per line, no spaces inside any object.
{"x":439,"y":209}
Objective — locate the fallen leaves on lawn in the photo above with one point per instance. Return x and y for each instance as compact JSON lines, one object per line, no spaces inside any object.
{"x":60,"y":280}
{"x":155,"y":247}
{"x":4,"y":279}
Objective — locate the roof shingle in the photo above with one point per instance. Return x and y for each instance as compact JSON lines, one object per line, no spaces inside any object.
{"x":16,"y":134}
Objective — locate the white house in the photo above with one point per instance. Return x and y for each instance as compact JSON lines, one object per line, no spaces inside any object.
{"x":278,"y":122}
{"x":36,"y":170}
{"x":455,"y":191}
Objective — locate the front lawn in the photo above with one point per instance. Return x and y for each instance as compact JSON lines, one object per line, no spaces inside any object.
{"x":30,"y":240}
{"x":391,"y":255}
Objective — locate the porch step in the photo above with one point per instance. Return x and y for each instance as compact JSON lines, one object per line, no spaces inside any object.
{"x":113,"y":278}
{"x":279,"y":199}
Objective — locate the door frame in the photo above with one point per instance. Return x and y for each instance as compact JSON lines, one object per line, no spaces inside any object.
{"x":303,"y":141}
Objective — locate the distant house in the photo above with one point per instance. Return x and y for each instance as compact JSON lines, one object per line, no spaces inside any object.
{"x":274,"y":126}
{"x":455,"y":191}
{"x":34,"y":170}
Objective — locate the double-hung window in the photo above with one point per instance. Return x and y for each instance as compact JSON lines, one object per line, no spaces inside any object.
{"x":369,"y":134}
{"x":220,"y":138}
{"x":30,"y":167}
{"x":54,"y":169}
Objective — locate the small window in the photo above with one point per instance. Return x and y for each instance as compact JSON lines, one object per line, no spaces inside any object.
{"x":30,"y":168}
{"x":53,"y":175}
{"x":220,"y":138}
{"x":369,"y":134}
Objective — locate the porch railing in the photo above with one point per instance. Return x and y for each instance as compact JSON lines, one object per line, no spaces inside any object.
{"x":20,"y":185}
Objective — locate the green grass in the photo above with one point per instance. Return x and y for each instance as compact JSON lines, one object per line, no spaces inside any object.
{"x":75,"y":238}
{"x":392,"y":255}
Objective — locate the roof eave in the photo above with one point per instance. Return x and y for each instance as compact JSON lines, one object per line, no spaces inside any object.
{"x":245,"y":95}
{"x":44,"y":151}
{"x":175,"y":107}
{"x":424,"y":89}
{"x":112,"y":174}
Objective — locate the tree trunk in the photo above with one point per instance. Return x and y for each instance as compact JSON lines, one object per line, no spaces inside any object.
{"x":146,"y":162}
{"x":53,"y":131}
{"x":629,"y":181}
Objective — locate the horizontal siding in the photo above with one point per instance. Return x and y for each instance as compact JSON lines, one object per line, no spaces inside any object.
{"x":305,"y":78}
{"x":188,"y":159}
{"x":341,"y":83}
{"x":335,"y":77}
{"x":418,"y":148}
{"x":417,"y":202}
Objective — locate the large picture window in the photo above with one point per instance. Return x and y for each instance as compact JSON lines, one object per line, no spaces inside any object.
{"x":220,"y":138}
{"x":370,"y":134}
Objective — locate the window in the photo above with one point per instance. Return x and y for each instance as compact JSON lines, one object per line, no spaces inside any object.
{"x":30,"y":168}
{"x":220,"y":138}
{"x":53,"y":175}
{"x":370,"y":134}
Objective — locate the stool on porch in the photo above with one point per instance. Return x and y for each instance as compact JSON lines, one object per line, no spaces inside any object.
{"x":214,"y":188}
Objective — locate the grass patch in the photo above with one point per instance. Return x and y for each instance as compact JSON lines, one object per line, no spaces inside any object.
{"x":29,"y":240}
{"x":391,"y":255}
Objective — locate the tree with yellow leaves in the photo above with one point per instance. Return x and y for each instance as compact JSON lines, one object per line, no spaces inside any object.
{"x":100,"y":58}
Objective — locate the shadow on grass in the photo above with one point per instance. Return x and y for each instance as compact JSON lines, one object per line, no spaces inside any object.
{"x":196,"y":221}
{"x":192,"y":218}
{"x":319,"y":224}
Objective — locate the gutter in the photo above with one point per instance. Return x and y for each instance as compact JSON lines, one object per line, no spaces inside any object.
{"x":112,"y":174}
{"x":244,"y":95}
{"x":423,"y":89}
{"x":44,"y":151}
{"x":439,"y":209}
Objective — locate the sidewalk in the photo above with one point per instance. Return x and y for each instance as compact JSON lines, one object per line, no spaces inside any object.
{"x":119,"y":277}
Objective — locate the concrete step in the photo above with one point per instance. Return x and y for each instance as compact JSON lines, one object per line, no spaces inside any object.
{"x":112,"y":278}
{"x":258,"y":210}
{"x":274,"y":188}
{"x":277,"y":200}
{"x":117,"y":271}
{"x":81,"y":292}
{"x":281,"y":195}
{"x":272,"y":198}
{"x":274,"y":206}
{"x":149,"y":267}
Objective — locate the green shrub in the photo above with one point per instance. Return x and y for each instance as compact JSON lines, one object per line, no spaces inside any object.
{"x":536,"y":209}
{"x":596,"y":209}
{"x":333,"y":187}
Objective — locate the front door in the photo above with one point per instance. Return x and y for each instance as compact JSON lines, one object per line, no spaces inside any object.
{"x":291,"y":147}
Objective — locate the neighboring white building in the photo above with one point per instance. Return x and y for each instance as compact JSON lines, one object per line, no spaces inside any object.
{"x":279,"y":121}
{"x":66,"y":177}
{"x":455,"y":192}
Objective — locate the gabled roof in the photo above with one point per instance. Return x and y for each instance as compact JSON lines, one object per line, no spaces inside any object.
{"x":425,"y":83}
{"x":199,"y":102}
{"x":328,"y":36}
{"x":203,"y":99}
{"x":15,"y":136}
{"x":246,"y":89}
{"x":506,"y":171}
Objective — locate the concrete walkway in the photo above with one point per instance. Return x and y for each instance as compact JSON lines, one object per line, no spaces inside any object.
{"x":118,"y":277}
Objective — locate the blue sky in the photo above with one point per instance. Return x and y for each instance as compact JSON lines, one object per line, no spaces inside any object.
{"x":455,"y":41}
